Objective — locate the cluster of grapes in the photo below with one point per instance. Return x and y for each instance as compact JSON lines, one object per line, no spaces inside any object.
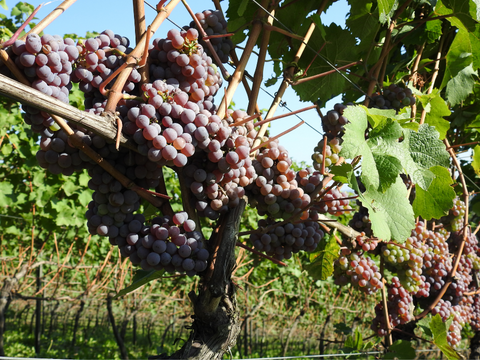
{"x":308,"y":179}
{"x":331,"y":153}
{"x":400,"y":306}
{"x":46,"y":62}
{"x":393,"y":97}
{"x":98,"y":58}
{"x":222,"y":168}
{"x":333,"y":122}
{"x":408,"y":259}
{"x":182,"y":62}
{"x":460,"y":316}
{"x":214,"y":23}
{"x":358,"y":270}
{"x":454,"y":220}
{"x":475,"y":318}
{"x":366,"y":244}
{"x":361,"y":221}
{"x":335,"y":202}
{"x":283,"y":240}
{"x":437,"y":263}
{"x":169,"y":243}
{"x":58,"y":156}
{"x":275,"y":191}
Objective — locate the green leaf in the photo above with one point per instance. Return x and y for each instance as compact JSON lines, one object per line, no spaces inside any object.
{"x":401,"y":350}
{"x":390,"y":212}
{"x":341,"y":172}
{"x":3,"y":4}
{"x":459,"y":87}
{"x":438,"y":198}
{"x":243,"y":6}
{"x":338,"y":46}
{"x":386,"y":9}
{"x":464,"y":11}
{"x":436,"y":109}
{"x":321,"y":266}
{"x":439,"y":331}
{"x":141,"y":278}
{"x":70,"y":187}
{"x":354,"y":342}
{"x":5,"y":190}
{"x":426,"y":150}
{"x":476,"y":160}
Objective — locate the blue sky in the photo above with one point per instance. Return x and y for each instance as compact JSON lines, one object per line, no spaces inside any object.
{"x":117,"y":15}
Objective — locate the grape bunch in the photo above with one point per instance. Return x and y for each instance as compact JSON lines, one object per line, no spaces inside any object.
{"x":333,"y":122}
{"x":361,"y":221}
{"x":358,"y":270}
{"x":436,"y":260}
{"x":98,"y":58}
{"x":275,"y":191}
{"x":461,"y":315}
{"x":214,"y":23}
{"x":454,"y":220}
{"x":172,"y":244}
{"x":283,"y":240}
{"x":47,"y":63}
{"x":407,"y":260}
{"x":475,"y":318}
{"x":331,"y":153}
{"x":394,"y":97}
{"x":180,"y":61}
{"x":335,"y":202}
{"x":58,"y":156}
{"x":400,"y":308}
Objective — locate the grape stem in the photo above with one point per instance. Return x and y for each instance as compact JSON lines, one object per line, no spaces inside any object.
{"x":259,"y":123}
{"x":258,"y":76}
{"x":277,"y":136}
{"x":218,"y":36}
{"x":283,"y":32}
{"x":20,"y":29}
{"x":313,"y":77}
{"x":388,"y":338}
{"x":278,"y":262}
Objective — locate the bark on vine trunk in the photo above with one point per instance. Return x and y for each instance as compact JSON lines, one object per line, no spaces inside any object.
{"x":216,"y":322}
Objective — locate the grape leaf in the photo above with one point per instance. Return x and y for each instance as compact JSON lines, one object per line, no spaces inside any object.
{"x":243,"y":6}
{"x":141,"y":278}
{"x":390,"y":212}
{"x":386,"y":9}
{"x":339,"y":47}
{"x":459,"y":87}
{"x":436,"y":109}
{"x":5,"y":190}
{"x":354,"y":342}
{"x":458,"y":77}
{"x":476,"y":160}
{"x":341,"y":172}
{"x":465,"y":12}
{"x":421,"y":150}
{"x":383,"y":156}
{"x":363,"y":22}
{"x":321,"y":266}
{"x":439,"y":331}
{"x":3,"y":4}
{"x":401,"y":350}
{"x":438,"y":198}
